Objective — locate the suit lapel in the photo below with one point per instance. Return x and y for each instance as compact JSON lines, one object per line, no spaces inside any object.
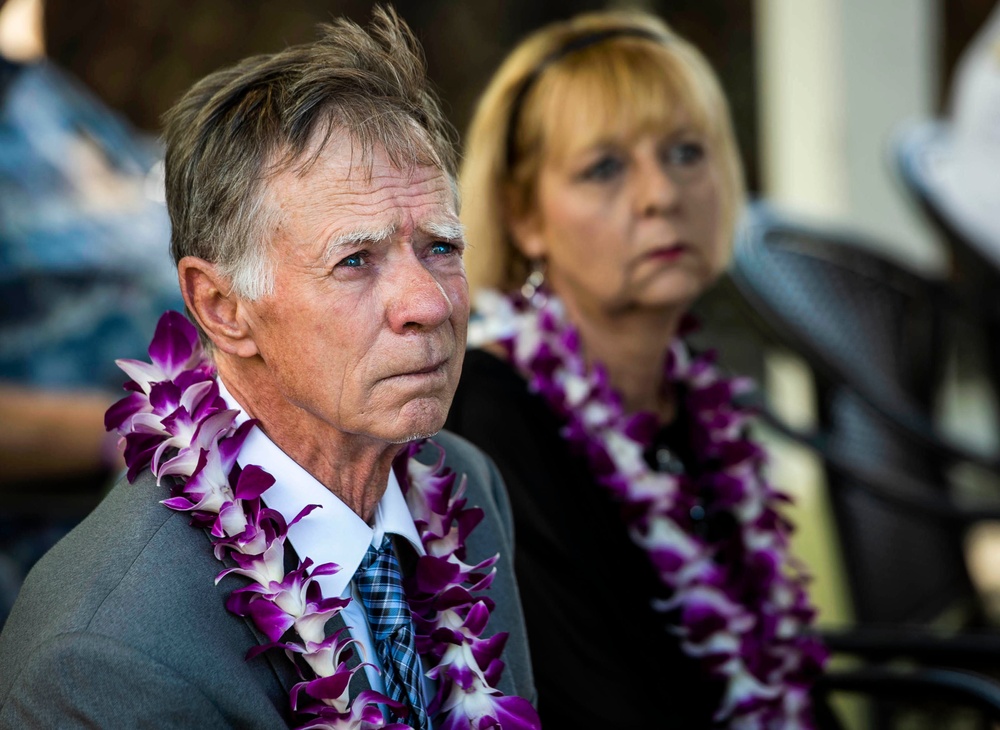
{"x":359,"y":682}
{"x":283,"y":669}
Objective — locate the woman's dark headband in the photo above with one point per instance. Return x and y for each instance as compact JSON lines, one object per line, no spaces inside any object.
{"x":572,"y":46}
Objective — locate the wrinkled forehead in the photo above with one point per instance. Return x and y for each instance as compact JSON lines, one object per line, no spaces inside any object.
{"x":619,"y":92}
{"x":346,"y":194}
{"x":354,"y":159}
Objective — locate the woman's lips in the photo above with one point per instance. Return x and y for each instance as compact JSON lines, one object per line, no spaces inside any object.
{"x":667,"y":253}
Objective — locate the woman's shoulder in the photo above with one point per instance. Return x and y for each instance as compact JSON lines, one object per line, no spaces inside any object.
{"x":488,"y":363}
{"x":488,"y":378}
{"x":493,"y":398}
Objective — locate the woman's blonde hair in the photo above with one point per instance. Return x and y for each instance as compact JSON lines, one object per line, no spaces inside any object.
{"x":643,"y":77}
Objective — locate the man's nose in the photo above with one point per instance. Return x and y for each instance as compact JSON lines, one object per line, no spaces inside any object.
{"x":416,"y":299}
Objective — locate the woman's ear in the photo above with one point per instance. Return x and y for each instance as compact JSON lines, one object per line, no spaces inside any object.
{"x":211,"y":301}
{"x":525,"y":228}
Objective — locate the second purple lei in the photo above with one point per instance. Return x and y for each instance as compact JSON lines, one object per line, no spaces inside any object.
{"x":740,"y":603}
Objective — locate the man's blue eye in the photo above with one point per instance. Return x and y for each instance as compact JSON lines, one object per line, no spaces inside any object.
{"x":353,"y":261}
{"x":443,"y":247}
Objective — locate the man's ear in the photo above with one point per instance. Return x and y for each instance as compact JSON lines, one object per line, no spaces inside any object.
{"x":220,"y":313}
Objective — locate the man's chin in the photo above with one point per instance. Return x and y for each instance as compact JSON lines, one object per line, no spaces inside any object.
{"x":415,"y":437}
{"x":418,"y":420}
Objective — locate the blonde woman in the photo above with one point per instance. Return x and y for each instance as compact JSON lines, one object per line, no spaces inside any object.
{"x":600,"y":187}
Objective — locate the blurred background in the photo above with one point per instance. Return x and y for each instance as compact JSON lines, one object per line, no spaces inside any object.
{"x":815,"y":87}
{"x":860,"y":298}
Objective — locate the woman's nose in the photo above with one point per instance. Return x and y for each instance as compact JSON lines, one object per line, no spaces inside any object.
{"x":657,"y":192}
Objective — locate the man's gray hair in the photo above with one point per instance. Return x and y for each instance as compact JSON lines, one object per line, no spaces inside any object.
{"x":237,"y":127}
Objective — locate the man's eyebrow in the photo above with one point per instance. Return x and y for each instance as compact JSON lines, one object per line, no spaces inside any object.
{"x":357,"y":237}
{"x":448,"y":230}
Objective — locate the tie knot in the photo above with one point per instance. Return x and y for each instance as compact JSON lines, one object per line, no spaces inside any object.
{"x":376,"y":555}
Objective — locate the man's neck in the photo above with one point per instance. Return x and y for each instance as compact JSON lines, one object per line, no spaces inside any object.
{"x":354,"y":468}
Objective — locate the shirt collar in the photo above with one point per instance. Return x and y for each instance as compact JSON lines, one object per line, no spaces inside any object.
{"x":295,"y":488}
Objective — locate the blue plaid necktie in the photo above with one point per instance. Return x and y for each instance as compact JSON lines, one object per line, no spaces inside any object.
{"x":380,"y":585}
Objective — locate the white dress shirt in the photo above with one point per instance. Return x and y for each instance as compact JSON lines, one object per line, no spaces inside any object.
{"x":334,"y":533}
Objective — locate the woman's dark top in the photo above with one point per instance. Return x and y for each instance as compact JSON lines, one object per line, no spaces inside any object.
{"x":602,"y":657}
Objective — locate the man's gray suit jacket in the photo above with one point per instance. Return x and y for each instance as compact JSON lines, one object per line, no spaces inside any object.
{"x":120,"y":624}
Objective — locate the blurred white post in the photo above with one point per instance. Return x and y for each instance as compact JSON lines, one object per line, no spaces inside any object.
{"x":801,"y":100}
{"x":836,"y":77}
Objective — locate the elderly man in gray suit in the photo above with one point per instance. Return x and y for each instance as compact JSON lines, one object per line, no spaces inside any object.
{"x":288,"y":550}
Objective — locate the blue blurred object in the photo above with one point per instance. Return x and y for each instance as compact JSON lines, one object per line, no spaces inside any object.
{"x":85,"y":271}
{"x":85,"y":268}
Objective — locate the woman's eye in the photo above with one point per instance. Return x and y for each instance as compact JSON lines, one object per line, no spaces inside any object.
{"x":604,"y":169}
{"x":355,"y":260}
{"x":685,"y":154}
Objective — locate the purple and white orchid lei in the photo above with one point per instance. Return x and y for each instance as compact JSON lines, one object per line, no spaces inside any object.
{"x":175,"y":423}
{"x":737,"y":602}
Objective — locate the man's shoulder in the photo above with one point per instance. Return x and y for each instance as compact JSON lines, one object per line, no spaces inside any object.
{"x":494,"y":535}
{"x":95,"y":556}
{"x":483,"y":480}
{"x":461,"y":452}
{"x":129,"y":552}
{"x":135,"y":579}
{"x":484,"y":488}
